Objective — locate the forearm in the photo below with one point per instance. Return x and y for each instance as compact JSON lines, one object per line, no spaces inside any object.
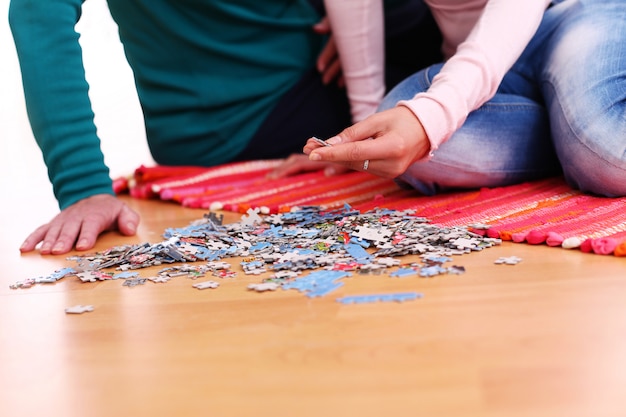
{"x":57,"y":97}
{"x":358,"y":30}
{"x":472,"y":75}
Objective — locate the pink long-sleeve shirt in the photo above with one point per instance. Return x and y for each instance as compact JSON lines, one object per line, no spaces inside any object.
{"x":482,"y":39}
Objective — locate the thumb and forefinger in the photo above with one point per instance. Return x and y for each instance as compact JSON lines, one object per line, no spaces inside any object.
{"x":350,"y":147}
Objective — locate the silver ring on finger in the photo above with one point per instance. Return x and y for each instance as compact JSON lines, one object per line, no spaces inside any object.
{"x":366,"y":164}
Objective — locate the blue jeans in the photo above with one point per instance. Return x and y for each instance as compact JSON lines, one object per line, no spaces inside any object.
{"x":560,"y":109}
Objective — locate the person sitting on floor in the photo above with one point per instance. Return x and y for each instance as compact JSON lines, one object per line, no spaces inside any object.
{"x":529,"y":89}
{"x":218,"y":81}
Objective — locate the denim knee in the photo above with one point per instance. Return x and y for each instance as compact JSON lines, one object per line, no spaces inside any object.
{"x":584,"y":82}
{"x":592,"y":160}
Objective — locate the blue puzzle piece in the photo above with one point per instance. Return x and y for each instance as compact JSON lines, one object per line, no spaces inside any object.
{"x":372,"y":298}
{"x":323,"y":289}
{"x":318,"y":283}
{"x":403,"y":272}
{"x":359,"y":254}
{"x":259,"y":246}
{"x":126,"y":275}
{"x":274,"y":231}
{"x":201,"y":252}
{"x":437,"y":259}
{"x":431,"y":271}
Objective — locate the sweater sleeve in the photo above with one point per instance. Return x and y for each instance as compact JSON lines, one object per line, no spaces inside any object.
{"x":358,"y":30}
{"x":473,"y":73}
{"x":57,"y":99}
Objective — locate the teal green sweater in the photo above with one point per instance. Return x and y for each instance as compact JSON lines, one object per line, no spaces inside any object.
{"x":208,"y":72}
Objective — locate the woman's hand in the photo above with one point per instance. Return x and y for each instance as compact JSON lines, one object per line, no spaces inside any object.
{"x":398,"y":137}
{"x":328,"y":63}
{"x":299,"y":163}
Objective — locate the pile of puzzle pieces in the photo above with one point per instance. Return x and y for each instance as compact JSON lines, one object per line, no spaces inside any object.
{"x":329,"y":245}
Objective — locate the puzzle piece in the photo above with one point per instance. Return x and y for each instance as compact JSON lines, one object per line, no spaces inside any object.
{"x":359,"y":254}
{"x":223,"y":273}
{"x":205,"y":285}
{"x":214,"y":266}
{"x":86,"y":276}
{"x":126,"y":275}
{"x":102,"y":276}
{"x":55,"y":276}
{"x":252,"y":218}
{"x":27,"y":283}
{"x":285,"y":275}
{"x":376,"y":235}
{"x":159,"y":279}
{"x":436,"y":259}
{"x":345,"y":266}
{"x":371,"y":268}
{"x":79,"y":309}
{"x":260,"y":247}
{"x":466,"y":243}
{"x":456,"y":270}
{"x":318,"y":283}
{"x":431,"y":271}
{"x":86,"y":265}
{"x":133,"y":282}
{"x":508,"y":260}
{"x":388,"y":262}
{"x":266,"y":286}
{"x":372,"y":298}
{"x":320,"y":141}
{"x":404,"y":272}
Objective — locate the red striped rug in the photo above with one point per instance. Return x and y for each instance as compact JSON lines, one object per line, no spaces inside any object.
{"x":540,"y":212}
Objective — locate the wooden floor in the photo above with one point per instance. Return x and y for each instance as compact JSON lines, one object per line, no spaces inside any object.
{"x":546,"y":337}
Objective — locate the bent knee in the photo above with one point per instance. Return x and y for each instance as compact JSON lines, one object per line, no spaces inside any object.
{"x":592,"y":150}
{"x":605,"y":181}
{"x":598,"y":169}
